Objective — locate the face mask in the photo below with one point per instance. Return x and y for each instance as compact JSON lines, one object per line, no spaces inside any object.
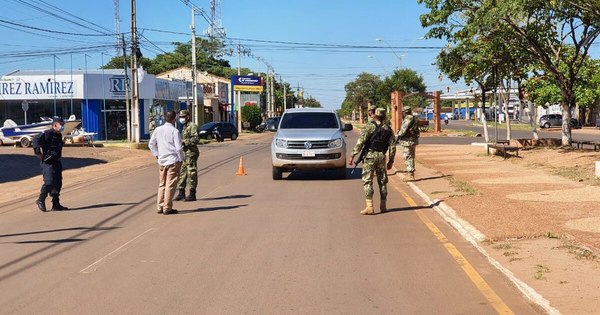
{"x":61,"y":129}
{"x":182,"y":121}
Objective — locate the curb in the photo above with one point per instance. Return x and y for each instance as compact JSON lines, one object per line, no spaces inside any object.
{"x":474,"y":236}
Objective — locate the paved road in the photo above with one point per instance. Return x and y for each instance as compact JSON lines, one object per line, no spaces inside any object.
{"x":249,"y":245}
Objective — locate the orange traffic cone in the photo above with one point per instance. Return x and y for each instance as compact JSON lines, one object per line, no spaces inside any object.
{"x":241,"y":171}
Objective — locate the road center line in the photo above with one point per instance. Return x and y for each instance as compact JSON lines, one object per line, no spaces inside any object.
{"x":93,"y":267}
{"x":473,"y":275}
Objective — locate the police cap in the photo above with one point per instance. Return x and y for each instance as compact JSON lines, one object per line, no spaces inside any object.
{"x":183,"y":112}
{"x":58,"y":120}
{"x":380,"y":112}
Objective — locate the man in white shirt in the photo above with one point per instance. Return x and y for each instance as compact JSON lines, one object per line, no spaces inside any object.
{"x":166,"y":145}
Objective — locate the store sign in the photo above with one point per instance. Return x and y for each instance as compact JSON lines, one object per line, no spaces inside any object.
{"x":223,"y":93}
{"x":35,"y":89}
{"x":247,"y":83}
{"x":118,"y":84}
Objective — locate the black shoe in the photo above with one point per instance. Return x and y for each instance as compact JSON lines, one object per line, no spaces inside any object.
{"x":180,"y":196}
{"x":59,"y":207}
{"x":191,"y":197}
{"x":172,"y":211}
{"x":41,"y":205}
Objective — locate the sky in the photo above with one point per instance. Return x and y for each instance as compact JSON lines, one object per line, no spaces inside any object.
{"x":322,"y":72}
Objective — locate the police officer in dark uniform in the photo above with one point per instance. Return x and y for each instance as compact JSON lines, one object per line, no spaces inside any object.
{"x":48,"y":148}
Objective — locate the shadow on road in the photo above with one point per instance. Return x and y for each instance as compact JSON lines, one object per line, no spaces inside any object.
{"x":59,"y":241}
{"x":62,"y":230}
{"x":430,"y":178}
{"x":211,"y":209}
{"x":101,"y":205}
{"x":15,"y":167}
{"x":227,"y":197}
{"x":323,"y":175}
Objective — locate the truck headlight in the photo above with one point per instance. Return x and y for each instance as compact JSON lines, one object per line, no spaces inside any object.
{"x":202,"y":132}
{"x":281,"y":143}
{"x":336,"y":143}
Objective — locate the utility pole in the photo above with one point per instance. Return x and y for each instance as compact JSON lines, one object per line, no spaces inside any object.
{"x":134,"y":76}
{"x":268,"y":94}
{"x":197,"y":116}
{"x":273,"y":104}
{"x":127,"y":105}
{"x":239,"y":94}
{"x":284,"y":95}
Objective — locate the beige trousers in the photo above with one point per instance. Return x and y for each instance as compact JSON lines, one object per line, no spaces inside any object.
{"x":169,"y":176}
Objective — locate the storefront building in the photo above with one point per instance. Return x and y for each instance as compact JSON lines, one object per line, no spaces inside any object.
{"x":96,"y":97}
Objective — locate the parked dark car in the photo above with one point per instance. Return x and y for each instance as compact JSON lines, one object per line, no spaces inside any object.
{"x":227,"y":130}
{"x":270,"y":124}
{"x":555,"y":120}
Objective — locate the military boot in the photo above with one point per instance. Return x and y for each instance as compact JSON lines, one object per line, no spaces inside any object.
{"x":369,"y":208}
{"x":191,"y":196}
{"x":181,"y":195}
{"x":41,"y":202}
{"x":409,"y":178}
{"x":383,"y":206}
{"x":56,"y":206}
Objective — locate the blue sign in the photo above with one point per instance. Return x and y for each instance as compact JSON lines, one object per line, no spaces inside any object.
{"x":247,"y":83}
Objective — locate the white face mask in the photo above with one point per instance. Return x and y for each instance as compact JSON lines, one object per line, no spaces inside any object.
{"x":182,"y":121}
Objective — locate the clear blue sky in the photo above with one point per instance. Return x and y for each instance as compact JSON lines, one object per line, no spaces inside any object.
{"x":322,"y":73}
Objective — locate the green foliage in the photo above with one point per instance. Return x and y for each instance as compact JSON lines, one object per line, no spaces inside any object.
{"x":251,"y":114}
{"x":312,"y":102}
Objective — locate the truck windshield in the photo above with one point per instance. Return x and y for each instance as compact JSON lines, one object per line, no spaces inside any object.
{"x":309,"y":121}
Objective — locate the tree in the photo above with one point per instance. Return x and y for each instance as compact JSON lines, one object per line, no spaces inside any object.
{"x":361,"y":91}
{"x":312,"y":102}
{"x":406,"y":81}
{"x":547,"y":28}
{"x":542,"y":90}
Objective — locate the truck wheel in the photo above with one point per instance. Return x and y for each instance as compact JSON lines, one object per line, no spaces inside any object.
{"x":234,"y":136}
{"x":547,"y":125}
{"x":277,"y":173}
{"x":25,"y":142}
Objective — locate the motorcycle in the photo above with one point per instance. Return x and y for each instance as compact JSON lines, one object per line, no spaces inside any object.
{"x":217,"y":135}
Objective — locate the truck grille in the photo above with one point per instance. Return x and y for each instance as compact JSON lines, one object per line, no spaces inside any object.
{"x":332,"y":156}
{"x":318,"y":144}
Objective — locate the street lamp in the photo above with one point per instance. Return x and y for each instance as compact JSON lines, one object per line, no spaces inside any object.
{"x":391,"y":48}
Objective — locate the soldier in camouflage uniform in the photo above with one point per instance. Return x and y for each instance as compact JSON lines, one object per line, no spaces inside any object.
{"x":379,"y":138}
{"x":408,"y":137}
{"x":189,"y":169}
{"x":371,"y":112}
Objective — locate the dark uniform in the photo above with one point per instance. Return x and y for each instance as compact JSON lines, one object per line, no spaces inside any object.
{"x":379,"y":138}
{"x":49,"y":144}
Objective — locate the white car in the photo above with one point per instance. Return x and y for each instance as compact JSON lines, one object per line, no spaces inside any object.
{"x":309,"y":139}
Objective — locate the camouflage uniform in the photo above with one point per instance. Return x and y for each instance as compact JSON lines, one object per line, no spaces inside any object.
{"x":408,"y":137}
{"x":374,"y":162}
{"x":189,"y":168}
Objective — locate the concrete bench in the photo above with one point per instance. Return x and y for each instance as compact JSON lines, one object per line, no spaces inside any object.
{"x":580,"y":144}
{"x":503,"y":148}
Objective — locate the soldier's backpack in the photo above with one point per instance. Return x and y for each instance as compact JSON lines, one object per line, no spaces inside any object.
{"x":380,"y":140}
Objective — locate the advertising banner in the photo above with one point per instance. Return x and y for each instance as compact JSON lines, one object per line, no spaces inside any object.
{"x":247,"y":83}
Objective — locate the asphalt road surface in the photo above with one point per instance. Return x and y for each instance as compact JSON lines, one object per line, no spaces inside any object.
{"x":248,"y":245}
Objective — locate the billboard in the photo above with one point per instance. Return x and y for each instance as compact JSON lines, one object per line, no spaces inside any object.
{"x":247,"y":83}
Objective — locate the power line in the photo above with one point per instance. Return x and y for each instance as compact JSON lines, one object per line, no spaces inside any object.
{"x":50,"y":31}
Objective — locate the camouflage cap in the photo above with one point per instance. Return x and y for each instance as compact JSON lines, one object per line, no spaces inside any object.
{"x":380,"y":112}
{"x":183,"y":112}
{"x":372,"y":107}
{"x":406,"y":108}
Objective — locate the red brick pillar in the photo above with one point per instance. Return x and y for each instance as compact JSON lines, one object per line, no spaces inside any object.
{"x":396,"y":110}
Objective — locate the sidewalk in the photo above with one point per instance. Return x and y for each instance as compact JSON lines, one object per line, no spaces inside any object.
{"x":539,"y":224}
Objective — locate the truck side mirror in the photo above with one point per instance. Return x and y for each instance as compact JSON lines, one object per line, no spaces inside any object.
{"x":347,"y":127}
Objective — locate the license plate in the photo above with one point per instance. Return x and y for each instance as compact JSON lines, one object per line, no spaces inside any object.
{"x":308,"y":154}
